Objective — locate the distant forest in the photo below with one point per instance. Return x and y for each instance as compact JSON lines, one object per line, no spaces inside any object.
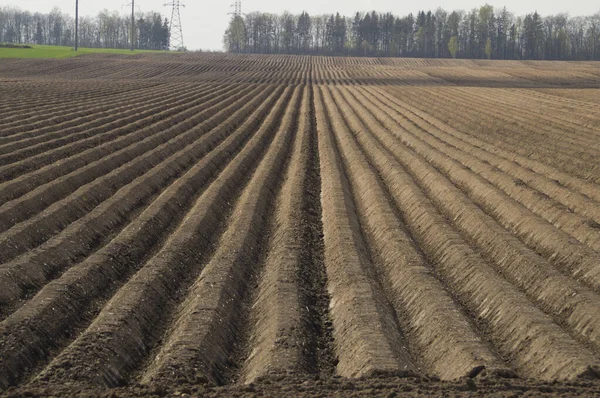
{"x":483,"y":32}
{"x":106,"y":30}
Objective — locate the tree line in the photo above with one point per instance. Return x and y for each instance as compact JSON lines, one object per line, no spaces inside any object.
{"x":105,"y":30}
{"x":483,"y":32}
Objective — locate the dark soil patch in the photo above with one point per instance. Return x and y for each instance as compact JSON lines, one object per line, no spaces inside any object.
{"x":10,"y":45}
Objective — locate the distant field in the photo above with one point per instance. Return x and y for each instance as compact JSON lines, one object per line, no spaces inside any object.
{"x":262,"y":222}
{"x":61,"y":52}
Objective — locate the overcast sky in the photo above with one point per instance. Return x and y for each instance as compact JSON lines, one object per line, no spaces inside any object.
{"x":204,"y":22}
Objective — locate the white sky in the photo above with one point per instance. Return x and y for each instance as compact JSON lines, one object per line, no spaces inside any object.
{"x":204,"y":22}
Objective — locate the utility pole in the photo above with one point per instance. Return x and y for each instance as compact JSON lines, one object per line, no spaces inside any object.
{"x":132,"y":24}
{"x":76,"y":24}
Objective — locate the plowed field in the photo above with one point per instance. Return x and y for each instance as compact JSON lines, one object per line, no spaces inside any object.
{"x":236,"y":224}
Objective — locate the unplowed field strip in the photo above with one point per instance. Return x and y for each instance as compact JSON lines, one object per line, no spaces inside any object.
{"x":171,"y":223}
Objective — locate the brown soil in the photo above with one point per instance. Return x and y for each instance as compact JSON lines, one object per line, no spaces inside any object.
{"x":244,"y":225}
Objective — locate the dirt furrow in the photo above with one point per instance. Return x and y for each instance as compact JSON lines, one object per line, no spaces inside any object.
{"x":570,"y":191}
{"x":547,"y":153}
{"x":287,"y":322}
{"x":208,"y":331}
{"x":506,"y":129}
{"x":277,"y":315}
{"x":114,"y":138}
{"x":55,"y":96}
{"x":521,"y":120}
{"x":567,"y":302}
{"x":32,"y":270}
{"x":122,"y":335}
{"x":440,"y":335}
{"x":367,"y":338}
{"x":61,"y":304}
{"x":62,"y":118}
{"x":564,"y":218}
{"x":245,"y":224}
{"x":559,"y":111}
{"x":36,"y":200}
{"x":525,"y":337}
{"x":91,"y":129}
{"x":569,"y":255}
{"x":37,"y":141}
{"x":10,"y":190}
{"x":39,"y":228}
{"x":503,"y":129}
{"x":30,"y":115}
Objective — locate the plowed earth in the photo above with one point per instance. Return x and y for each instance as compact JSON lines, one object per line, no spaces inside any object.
{"x":242,"y":225}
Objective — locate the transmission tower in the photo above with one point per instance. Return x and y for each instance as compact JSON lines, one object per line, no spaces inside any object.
{"x":237,"y":8}
{"x":175,"y":29}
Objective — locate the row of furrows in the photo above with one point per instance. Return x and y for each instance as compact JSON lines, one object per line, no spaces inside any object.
{"x":572,"y":194}
{"x":32,"y":218}
{"x":548,"y":152}
{"x":296,"y":76}
{"x":565,"y":106}
{"x":216,"y":261}
{"x":218,"y":280}
{"x":89,"y":69}
{"x":29,"y":174}
{"x":56,"y":113}
{"x":28,"y":113}
{"x":573,"y":213}
{"x":468,"y":76}
{"x":576,"y":99}
{"x":556,"y":78}
{"x":71,"y":229}
{"x":286,"y":69}
{"x":95,"y":129}
{"x":292,"y":331}
{"x":55,"y":120}
{"x":70,"y":68}
{"x":570,"y":136}
{"x":425,"y":311}
{"x":582,"y":98}
{"x":158,"y":70}
{"x":19,"y":85}
{"x":373,"y":76}
{"x":268,"y":72}
{"x":47,"y":94}
{"x":567,"y":126}
{"x":560,"y":177}
{"x":549,"y":242}
{"x":246,"y":289}
{"x":205,"y":342}
{"x":366,"y":336}
{"x":530,"y":317}
{"x":287,"y":72}
{"x":159,"y":244}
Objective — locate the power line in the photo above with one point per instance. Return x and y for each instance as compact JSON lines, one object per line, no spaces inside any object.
{"x":175,"y":28}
